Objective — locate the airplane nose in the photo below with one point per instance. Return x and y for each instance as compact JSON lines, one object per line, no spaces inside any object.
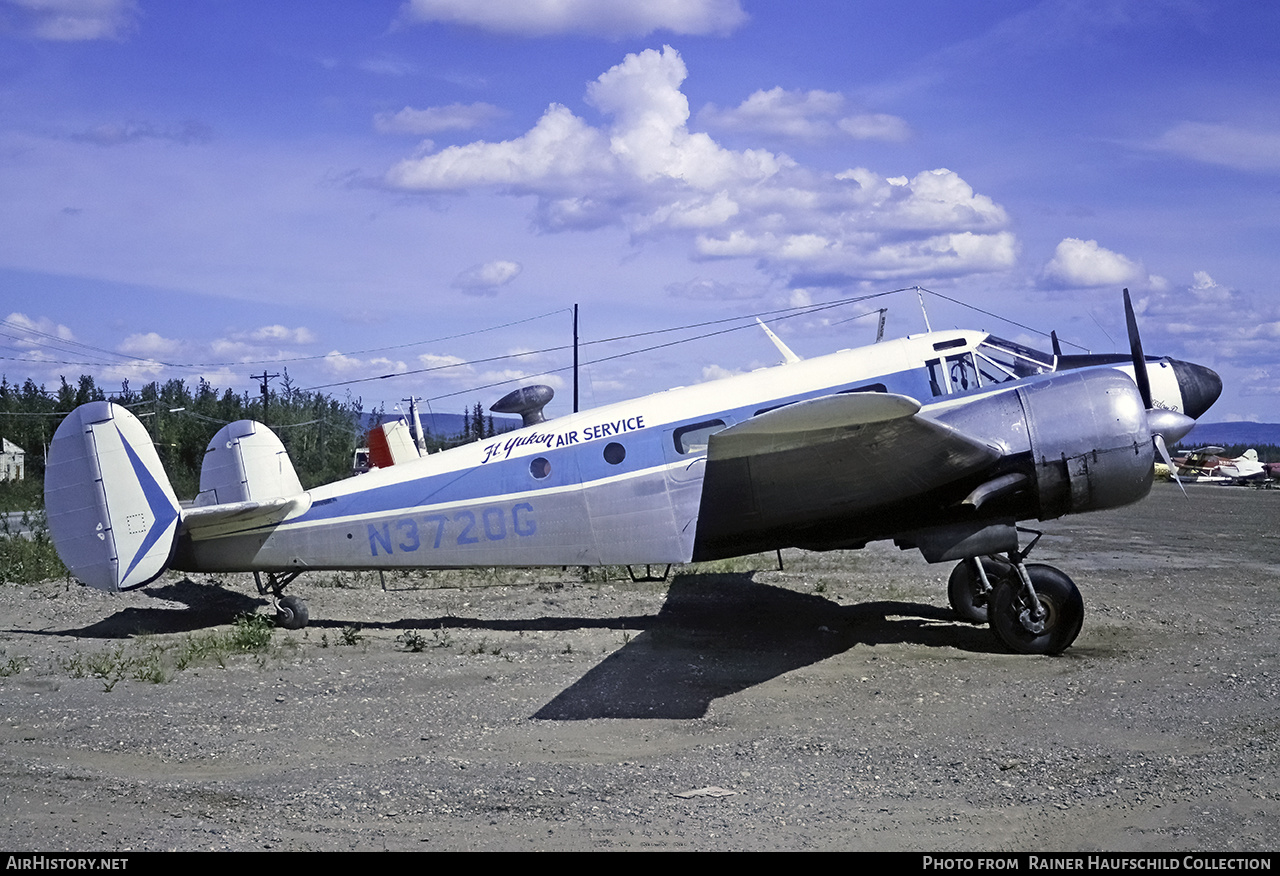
{"x":1200,"y":386}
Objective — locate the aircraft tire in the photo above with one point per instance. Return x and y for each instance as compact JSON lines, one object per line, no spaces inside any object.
{"x":963,"y":588}
{"x":1061,"y":600}
{"x":291,"y":613}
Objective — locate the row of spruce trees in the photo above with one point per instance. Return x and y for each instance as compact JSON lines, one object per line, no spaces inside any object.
{"x":320,"y":432}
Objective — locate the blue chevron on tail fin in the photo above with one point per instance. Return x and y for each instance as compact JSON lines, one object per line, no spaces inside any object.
{"x":112,"y":513}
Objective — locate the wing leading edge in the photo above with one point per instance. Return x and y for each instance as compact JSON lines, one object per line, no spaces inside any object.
{"x":839,"y":457}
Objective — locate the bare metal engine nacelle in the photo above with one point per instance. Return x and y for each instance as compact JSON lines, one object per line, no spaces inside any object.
{"x":1090,"y":442}
{"x":1085,"y":434}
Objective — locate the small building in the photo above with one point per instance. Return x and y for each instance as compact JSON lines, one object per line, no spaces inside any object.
{"x":12,"y":461}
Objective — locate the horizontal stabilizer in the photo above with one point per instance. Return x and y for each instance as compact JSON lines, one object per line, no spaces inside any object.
{"x":112,"y":513}
{"x":215,"y":520}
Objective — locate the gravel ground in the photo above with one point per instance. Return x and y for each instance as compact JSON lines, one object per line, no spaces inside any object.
{"x":833,"y":705}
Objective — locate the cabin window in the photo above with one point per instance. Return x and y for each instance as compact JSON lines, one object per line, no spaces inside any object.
{"x":540,"y":468}
{"x":614,"y":453}
{"x":694,"y":438}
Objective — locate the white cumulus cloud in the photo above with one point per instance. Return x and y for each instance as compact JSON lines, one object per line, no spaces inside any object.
{"x":803,"y":115}
{"x":647,"y":172}
{"x":487,"y":278}
{"x":280,"y":334}
{"x":607,"y":18}
{"x":150,"y":344}
{"x":1083,"y":263}
{"x":30,"y":330}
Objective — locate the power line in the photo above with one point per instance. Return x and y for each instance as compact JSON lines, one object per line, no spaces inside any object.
{"x":192,"y":366}
{"x":1037,"y":331}
{"x":779,"y":313}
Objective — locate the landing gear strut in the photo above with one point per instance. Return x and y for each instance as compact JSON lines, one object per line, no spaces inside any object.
{"x":291,"y":611}
{"x":1040,"y":614}
{"x":1032,"y":608}
{"x":970,"y":586}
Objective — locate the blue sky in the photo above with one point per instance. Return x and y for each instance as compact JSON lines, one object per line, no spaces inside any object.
{"x":349,"y":190}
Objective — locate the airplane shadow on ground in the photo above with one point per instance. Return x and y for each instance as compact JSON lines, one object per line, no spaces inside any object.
{"x":715,"y":635}
{"x":720,"y":634}
{"x":208,"y":605}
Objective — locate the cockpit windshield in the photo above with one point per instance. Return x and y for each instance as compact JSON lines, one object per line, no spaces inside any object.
{"x":992,"y":362}
{"x":1000,"y":360}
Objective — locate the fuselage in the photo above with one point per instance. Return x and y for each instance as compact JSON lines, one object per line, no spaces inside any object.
{"x":623,"y":484}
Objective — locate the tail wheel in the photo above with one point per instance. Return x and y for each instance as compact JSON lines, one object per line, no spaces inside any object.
{"x":965,"y":591}
{"x":291,"y":613}
{"x":1014,"y":623}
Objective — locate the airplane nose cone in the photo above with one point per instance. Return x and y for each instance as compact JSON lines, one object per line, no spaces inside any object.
{"x":1200,"y":387}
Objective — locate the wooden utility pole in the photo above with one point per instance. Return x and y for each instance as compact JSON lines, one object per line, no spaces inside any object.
{"x":575,"y":358}
{"x":265,"y":378}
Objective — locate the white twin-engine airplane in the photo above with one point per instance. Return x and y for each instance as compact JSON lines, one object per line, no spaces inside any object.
{"x":941,"y":441}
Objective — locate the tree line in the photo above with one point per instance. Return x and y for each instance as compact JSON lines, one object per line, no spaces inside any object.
{"x":320,"y":432}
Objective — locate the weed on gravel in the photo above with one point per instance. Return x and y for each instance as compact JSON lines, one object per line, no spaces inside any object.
{"x":153,"y":660}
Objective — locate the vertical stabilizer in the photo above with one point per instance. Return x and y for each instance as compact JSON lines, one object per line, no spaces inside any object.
{"x":391,"y":444}
{"x":112,"y":513}
{"x":245,"y":462}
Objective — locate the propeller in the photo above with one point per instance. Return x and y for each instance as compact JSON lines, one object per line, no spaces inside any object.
{"x":1161,"y":422}
{"x":1135,"y":348}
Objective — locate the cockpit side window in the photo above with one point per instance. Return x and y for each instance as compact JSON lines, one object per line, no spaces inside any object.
{"x":961,"y":371}
{"x":952,"y":374}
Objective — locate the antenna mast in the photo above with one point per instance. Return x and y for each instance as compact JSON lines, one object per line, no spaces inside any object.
{"x":920,"y":295}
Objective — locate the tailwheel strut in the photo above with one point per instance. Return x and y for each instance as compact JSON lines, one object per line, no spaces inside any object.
{"x":291,"y":611}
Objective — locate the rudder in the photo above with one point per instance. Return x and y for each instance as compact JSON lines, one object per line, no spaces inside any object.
{"x":112,"y":513}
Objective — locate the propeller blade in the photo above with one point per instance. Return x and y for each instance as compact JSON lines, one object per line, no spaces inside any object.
{"x":1168,"y":460}
{"x":1135,"y":348}
{"x":1057,"y":348}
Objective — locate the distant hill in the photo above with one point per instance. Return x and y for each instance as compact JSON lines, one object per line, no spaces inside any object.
{"x":1225,"y":434}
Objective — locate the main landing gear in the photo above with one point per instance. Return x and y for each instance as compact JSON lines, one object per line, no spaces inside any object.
{"x":1032,"y":608}
{"x":291,"y":611}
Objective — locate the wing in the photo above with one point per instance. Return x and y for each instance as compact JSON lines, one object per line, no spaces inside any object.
{"x":830,"y":458}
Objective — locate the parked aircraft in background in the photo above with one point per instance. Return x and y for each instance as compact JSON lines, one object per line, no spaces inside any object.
{"x":1204,"y":465}
{"x":942,"y":442}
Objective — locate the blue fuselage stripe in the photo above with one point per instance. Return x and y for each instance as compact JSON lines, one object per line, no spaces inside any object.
{"x":572,"y":466}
